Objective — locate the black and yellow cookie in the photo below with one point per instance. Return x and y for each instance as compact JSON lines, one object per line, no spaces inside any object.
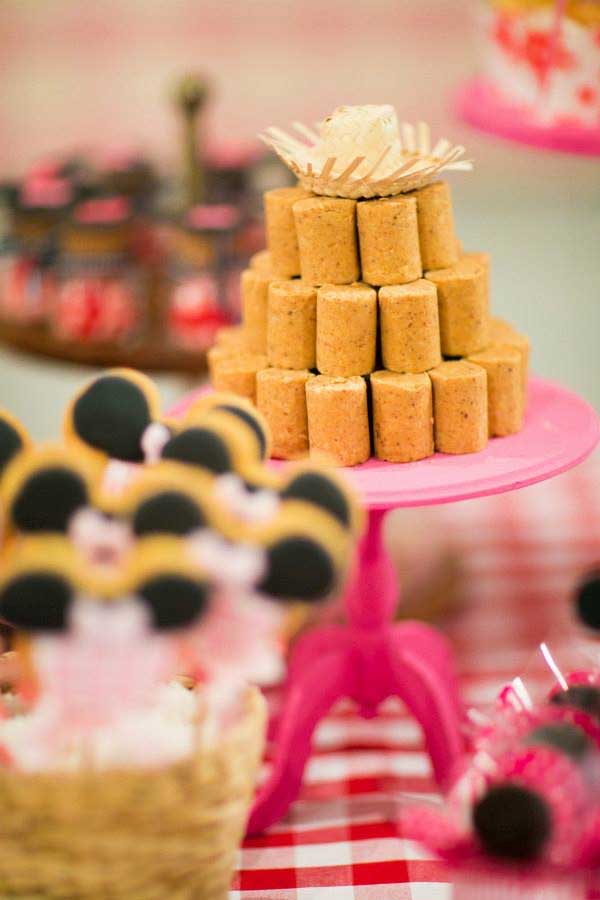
{"x":43,"y":487}
{"x":110,"y":414}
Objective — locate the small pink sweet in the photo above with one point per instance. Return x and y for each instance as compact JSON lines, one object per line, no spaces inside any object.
{"x":26,"y":291}
{"x":153,"y":441}
{"x":234,"y":566}
{"x":95,"y":309}
{"x":249,"y":506}
{"x":102,"y":542}
{"x":195,"y":314}
{"x":237,"y":644}
{"x":108,"y":664}
{"x":46,"y":189}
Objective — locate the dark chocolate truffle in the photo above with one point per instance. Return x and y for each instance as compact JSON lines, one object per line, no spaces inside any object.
{"x":563,"y":736}
{"x":587,"y":600}
{"x":585,"y":697}
{"x":512,"y":822}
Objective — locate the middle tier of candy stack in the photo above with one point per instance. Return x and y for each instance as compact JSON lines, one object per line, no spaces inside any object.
{"x":366,"y":329}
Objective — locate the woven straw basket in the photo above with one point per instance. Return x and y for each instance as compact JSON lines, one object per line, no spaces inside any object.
{"x":129,"y":834}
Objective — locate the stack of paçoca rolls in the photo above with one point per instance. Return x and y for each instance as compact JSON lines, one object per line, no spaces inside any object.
{"x":367,"y":331}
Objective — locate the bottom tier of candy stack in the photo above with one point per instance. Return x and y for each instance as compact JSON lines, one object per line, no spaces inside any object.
{"x":367,"y":330}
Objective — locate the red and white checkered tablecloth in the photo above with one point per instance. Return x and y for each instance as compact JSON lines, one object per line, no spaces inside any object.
{"x":522,"y":554}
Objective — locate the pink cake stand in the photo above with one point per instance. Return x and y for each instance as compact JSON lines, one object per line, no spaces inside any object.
{"x":478,"y":104}
{"x":371,"y":657}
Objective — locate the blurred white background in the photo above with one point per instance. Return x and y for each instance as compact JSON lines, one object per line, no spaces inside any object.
{"x":80,"y":74}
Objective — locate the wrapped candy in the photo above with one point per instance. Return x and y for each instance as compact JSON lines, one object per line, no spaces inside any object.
{"x":99,"y":296}
{"x":523,"y":817}
{"x":27,"y":270}
{"x":197,"y":298}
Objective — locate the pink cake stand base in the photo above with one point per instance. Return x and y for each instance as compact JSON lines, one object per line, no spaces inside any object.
{"x":478,"y":104}
{"x":371,"y":658}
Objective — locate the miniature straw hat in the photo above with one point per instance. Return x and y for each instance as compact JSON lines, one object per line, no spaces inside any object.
{"x":362,"y":152}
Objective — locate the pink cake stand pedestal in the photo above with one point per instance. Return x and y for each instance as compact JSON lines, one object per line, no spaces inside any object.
{"x":478,"y":104}
{"x":370,"y":657}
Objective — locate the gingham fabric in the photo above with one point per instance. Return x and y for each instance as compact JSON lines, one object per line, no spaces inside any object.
{"x":522,"y":555}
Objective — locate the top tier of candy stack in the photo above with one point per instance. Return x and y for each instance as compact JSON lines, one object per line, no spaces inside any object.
{"x":366,"y":328}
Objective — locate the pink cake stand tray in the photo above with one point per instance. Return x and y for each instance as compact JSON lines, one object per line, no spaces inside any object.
{"x":478,"y":104}
{"x":370,"y":657}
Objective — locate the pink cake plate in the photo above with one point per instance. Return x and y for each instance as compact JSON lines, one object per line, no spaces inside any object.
{"x":478,"y":104}
{"x":371,"y":657}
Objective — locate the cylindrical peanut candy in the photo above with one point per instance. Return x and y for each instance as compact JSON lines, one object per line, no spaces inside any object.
{"x":402,"y":416}
{"x":437,"y":238}
{"x":388,"y":236}
{"x":233,"y":336}
{"x":216,"y":355}
{"x":292,"y":324}
{"x":255,"y":288}
{"x":463,"y":308}
{"x":261,"y":262}
{"x":459,"y":407}
{"x":505,"y":397}
{"x":326,"y":229}
{"x":282,"y":241}
{"x":237,"y":374}
{"x":230,"y":342}
{"x":338,"y":420}
{"x":281,"y":398}
{"x":346,"y":329}
{"x":502,"y":333}
{"x":485,"y":260}
{"x":410,"y":328}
